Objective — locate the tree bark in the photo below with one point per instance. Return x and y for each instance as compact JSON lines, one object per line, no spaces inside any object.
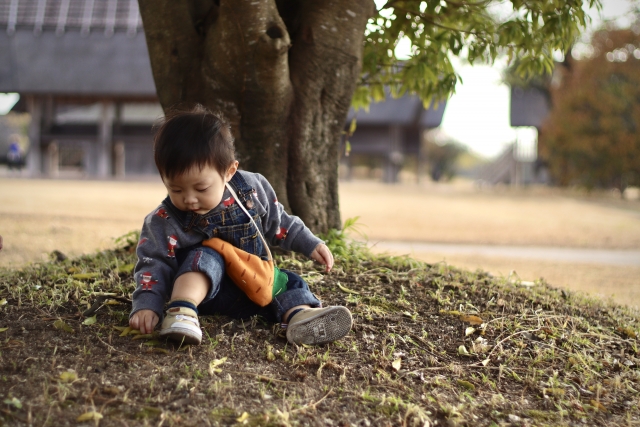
{"x":283,"y":73}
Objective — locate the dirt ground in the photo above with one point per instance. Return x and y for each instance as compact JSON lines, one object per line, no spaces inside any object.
{"x":430,"y":346}
{"x":75,"y":217}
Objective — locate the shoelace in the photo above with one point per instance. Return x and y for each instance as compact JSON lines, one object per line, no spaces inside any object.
{"x":189,"y":318}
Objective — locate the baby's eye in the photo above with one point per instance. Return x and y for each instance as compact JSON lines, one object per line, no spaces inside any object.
{"x":176,"y":191}
{"x":202,"y":190}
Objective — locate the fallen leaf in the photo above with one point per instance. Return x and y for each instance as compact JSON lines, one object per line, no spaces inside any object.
{"x":88,"y":416}
{"x":243,"y":418}
{"x":14,"y":402}
{"x":626,"y":331}
{"x":4,"y":329}
{"x":466,"y":384}
{"x":3,"y":301}
{"x":113,"y":391}
{"x":68,"y":377}
{"x":462,"y":350}
{"x":148,"y":412}
{"x":270,"y":356}
{"x":486,"y":361}
{"x":60,"y":324}
{"x":469,"y":331}
{"x":451,"y":312}
{"x":142,"y":336}
{"x":126,"y":331}
{"x":599,"y":406}
{"x":347,"y":290}
{"x":396,"y":364}
{"x":526,"y":283}
{"x":152,"y":343}
{"x":470,"y":318}
{"x":90,"y":321}
{"x":213,"y":365}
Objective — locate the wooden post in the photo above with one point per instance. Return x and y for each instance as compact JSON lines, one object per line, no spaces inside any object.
{"x":422,"y":155}
{"x":34,"y":157}
{"x":119,"y":159}
{"x":105,"y":144}
{"x":53,"y":159}
{"x":394,"y":155}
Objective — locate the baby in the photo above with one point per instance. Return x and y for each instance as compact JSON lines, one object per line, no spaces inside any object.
{"x":195,"y":155}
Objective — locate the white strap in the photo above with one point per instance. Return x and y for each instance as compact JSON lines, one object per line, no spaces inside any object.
{"x":235,"y":196}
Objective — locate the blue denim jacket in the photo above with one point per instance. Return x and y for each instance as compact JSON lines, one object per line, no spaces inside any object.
{"x":169,"y":233}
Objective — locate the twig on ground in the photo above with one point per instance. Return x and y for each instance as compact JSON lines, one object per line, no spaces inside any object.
{"x":262,"y":377}
{"x":313,"y":405}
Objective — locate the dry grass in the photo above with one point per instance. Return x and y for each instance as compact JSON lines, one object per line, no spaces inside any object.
{"x":75,"y":217}
{"x":461,"y":214}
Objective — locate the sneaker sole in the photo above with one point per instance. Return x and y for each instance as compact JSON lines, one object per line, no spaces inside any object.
{"x":327,"y":326}
{"x":182,"y":335}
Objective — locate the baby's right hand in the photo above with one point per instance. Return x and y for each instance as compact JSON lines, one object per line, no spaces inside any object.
{"x":144,"y":321}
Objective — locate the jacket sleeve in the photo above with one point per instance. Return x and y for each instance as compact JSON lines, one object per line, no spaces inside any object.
{"x":280,"y":228}
{"x":156,"y":267}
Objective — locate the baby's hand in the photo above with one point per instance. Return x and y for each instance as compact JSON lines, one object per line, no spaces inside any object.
{"x":144,"y":321}
{"x":323,"y":255}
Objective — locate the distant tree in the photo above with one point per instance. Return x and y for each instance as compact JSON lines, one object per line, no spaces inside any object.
{"x":286,"y":71}
{"x":592,"y":137}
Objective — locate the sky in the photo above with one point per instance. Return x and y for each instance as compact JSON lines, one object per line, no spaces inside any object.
{"x":477,"y":115}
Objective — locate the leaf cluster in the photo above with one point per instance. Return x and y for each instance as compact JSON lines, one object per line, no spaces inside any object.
{"x":592,"y":138}
{"x":475,"y":30}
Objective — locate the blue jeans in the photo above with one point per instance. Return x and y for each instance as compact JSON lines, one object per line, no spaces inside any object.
{"x":226,"y":298}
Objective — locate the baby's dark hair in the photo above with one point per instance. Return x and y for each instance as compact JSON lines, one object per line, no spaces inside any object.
{"x":197,"y":137}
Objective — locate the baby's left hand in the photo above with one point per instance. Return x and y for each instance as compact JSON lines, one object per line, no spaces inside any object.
{"x":323,"y":255}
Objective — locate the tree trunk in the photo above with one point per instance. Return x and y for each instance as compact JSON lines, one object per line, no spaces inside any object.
{"x":282,"y":72}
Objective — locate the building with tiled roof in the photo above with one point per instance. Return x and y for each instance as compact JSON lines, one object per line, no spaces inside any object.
{"x":82,"y":70}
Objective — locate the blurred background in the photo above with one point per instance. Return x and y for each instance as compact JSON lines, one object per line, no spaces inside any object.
{"x":504,"y":176}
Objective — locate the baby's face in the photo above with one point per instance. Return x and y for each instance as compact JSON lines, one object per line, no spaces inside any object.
{"x":198,"y":190}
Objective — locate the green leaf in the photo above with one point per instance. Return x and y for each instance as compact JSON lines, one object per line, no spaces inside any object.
{"x":213,"y":365}
{"x":90,"y":320}
{"x":347,"y":290}
{"x":60,"y":324}
{"x":68,"y":377}
{"x":466,"y":384}
{"x":89,"y":416}
{"x":14,"y":402}
{"x":352,"y":126}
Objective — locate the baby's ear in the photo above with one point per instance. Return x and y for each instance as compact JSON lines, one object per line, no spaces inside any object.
{"x":231,"y":171}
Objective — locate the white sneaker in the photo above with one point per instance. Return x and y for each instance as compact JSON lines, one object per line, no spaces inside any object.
{"x":181,"y":324}
{"x":319,"y":325}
